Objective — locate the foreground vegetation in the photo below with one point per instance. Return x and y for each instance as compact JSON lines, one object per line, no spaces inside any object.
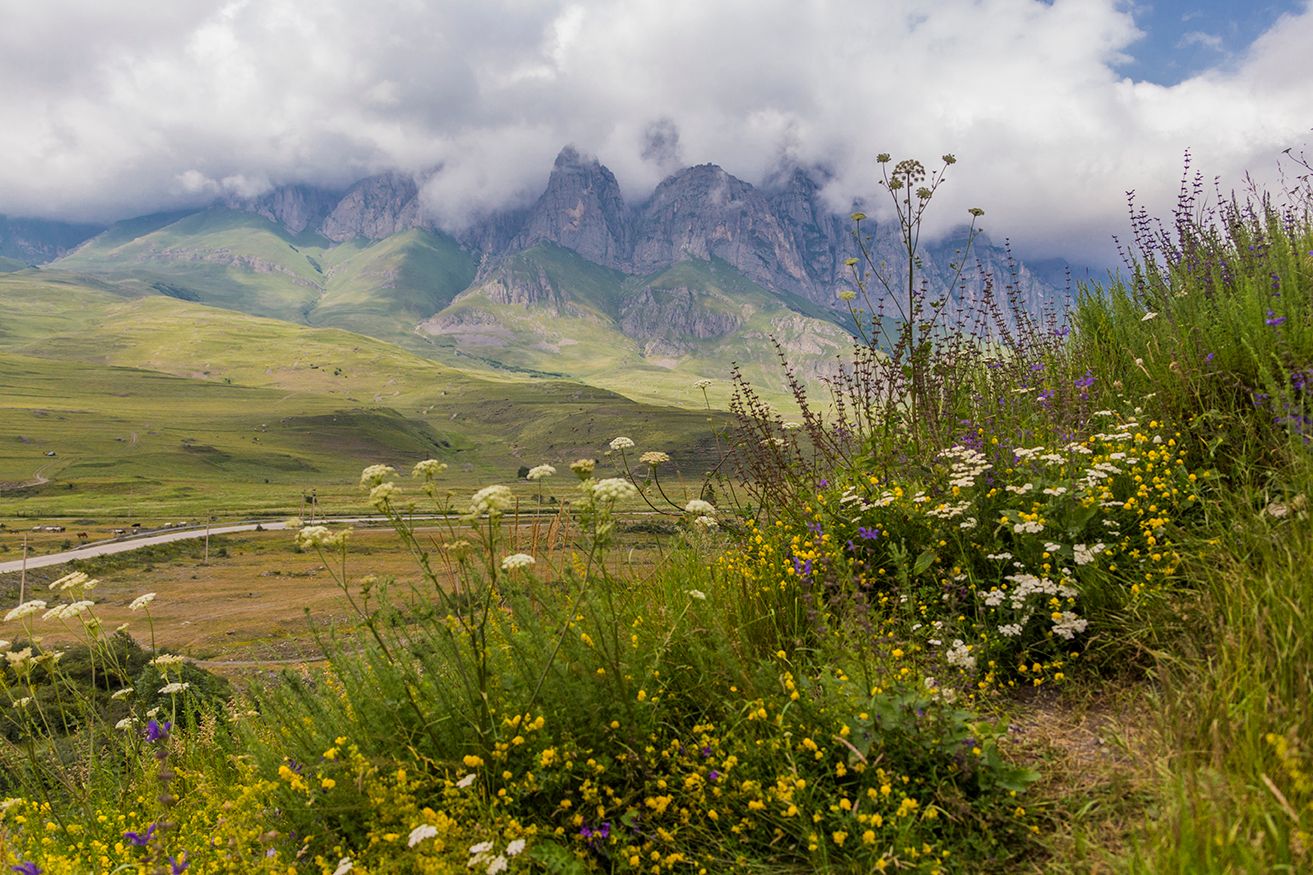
{"x":830,"y":666}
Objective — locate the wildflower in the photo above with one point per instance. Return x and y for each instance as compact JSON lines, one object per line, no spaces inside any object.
{"x":428,"y":469}
{"x":622,"y":443}
{"x":122,"y":694}
{"x":172,"y":689}
{"x":1273,"y":319}
{"x":1067,"y":625}
{"x":654,"y":458}
{"x":492,"y":500}
{"x":467,"y":780}
{"x":68,"y":612}
{"x":702,"y":384}
{"x":583,"y":468}
{"x":472,"y":761}
{"x":381,"y":494}
{"x":125,"y":723}
{"x":697,"y":594}
{"x":23,"y":702}
{"x":868,"y":533}
{"x":178,"y":866}
{"x":480,"y":848}
{"x":539,"y":472}
{"x":168,"y":660}
{"x":26,"y":609}
{"x":514,"y":848}
{"x":344,"y":866}
{"x":68,"y":581}
{"x":698,"y":507}
{"x":847,"y":295}
{"x":960,"y":655}
{"x":613,"y":489}
{"x":498,"y":864}
{"x":706,"y":523}
{"x":374,"y":475}
{"x":420,"y":833}
{"x":141,"y":601}
{"x":517,"y":560}
{"x":141,"y":839}
{"x":27,"y":868}
{"x":791,"y":426}
{"x":321,"y":537}
{"x":156,"y":731}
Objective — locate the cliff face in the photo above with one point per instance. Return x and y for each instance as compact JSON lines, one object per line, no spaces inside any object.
{"x":673,"y":315}
{"x":703,"y":212}
{"x":295,"y":207}
{"x":582,"y":209}
{"x":374,"y":208}
{"x":36,"y":241}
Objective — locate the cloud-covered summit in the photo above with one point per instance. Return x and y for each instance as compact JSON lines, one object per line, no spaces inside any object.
{"x":114,"y":109}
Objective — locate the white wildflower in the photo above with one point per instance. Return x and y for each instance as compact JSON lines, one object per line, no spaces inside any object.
{"x":791,"y":426}
{"x":122,"y":694}
{"x":1068,"y":625}
{"x":125,"y":723}
{"x":168,"y":660}
{"x":420,"y":833}
{"x":26,"y":609}
{"x":375,"y":475}
{"x":68,"y":612}
{"x":492,"y":500}
{"x":613,"y":489}
{"x":514,"y":848}
{"x":141,"y":601}
{"x":706,"y":523}
{"x":68,"y":581}
{"x":654,"y":457}
{"x":481,"y":848}
{"x":172,"y":689}
{"x":428,"y":469}
{"x":698,"y":507}
{"x":1000,"y":557}
{"x":697,"y":594}
{"x":23,"y":702}
{"x":467,"y":780}
{"x":381,"y":494}
{"x":1010,"y":630}
{"x":959,"y":654}
{"x":583,"y":468}
{"x":622,"y":443}
{"x":498,"y":865}
{"x":344,"y":866}
{"x":1055,"y":490}
{"x":1030,"y":527}
{"x":517,"y":560}
{"x":539,"y":472}
{"x":18,"y":658}
{"x":1051,"y":547}
{"x":702,"y":384}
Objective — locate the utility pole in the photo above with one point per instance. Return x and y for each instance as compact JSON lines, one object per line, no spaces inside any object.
{"x":206,"y":560}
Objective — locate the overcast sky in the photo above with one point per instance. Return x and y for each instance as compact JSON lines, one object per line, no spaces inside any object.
{"x":1054,"y":110}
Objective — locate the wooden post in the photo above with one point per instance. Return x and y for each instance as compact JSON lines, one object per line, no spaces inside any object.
{"x":206,"y":560}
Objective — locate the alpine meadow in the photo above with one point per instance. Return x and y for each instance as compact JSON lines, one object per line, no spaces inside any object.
{"x":451,"y":514}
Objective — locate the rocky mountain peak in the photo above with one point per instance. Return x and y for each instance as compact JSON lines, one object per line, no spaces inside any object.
{"x":374,"y":208}
{"x":295,"y":207}
{"x":581,"y":209}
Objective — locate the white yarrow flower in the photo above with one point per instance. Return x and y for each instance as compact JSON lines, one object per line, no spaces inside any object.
{"x":498,"y":865}
{"x":622,"y":443}
{"x":514,"y":848}
{"x":422,"y":832}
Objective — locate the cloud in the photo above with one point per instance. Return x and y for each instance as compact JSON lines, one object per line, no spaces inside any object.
{"x":112,"y":109}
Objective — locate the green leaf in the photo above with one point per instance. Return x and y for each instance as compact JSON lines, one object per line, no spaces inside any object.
{"x":924,"y":561}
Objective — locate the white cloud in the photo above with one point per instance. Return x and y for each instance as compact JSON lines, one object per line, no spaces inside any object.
{"x":110,"y":109}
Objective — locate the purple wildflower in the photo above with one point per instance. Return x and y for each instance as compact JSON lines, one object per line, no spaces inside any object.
{"x":713,"y":775}
{"x":870,"y":534}
{"x":1273,"y":319}
{"x":28,"y":868}
{"x":177,"y":866}
{"x":1086,"y":381}
{"x":141,"y":839}
{"x":156,"y":731}
{"x":1209,"y":357}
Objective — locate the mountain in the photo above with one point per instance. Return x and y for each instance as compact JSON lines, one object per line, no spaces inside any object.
{"x":34,"y":241}
{"x":641,"y":298}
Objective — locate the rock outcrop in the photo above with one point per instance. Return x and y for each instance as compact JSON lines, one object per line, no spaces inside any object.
{"x":374,"y":208}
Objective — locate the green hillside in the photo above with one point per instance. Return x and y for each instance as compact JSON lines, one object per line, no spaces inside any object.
{"x":219,"y":402}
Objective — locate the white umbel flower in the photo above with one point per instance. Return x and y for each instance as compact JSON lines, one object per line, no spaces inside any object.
{"x":376,"y":474}
{"x":539,"y":472}
{"x":141,"y":601}
{"x":517,"y":560}
{"x":26,"y":609}
{"x":493,"y":500}
{"x":698,"y":507}
{"x":422,"y":832}
{"x":622,"y":443}
{"x":613,"y":489}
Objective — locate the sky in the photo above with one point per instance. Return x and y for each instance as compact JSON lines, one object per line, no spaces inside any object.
{"x":1054,"y":110}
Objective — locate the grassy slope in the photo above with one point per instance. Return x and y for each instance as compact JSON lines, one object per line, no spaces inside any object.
{"x":299,"y":406}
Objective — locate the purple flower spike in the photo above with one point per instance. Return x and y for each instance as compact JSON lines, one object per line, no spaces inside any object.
{"x":177,"y":867}
{"x":1273,"y":319}
{"x":27,"y":868}
{"x":869,"y":534}
{"x":155,"y":731}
